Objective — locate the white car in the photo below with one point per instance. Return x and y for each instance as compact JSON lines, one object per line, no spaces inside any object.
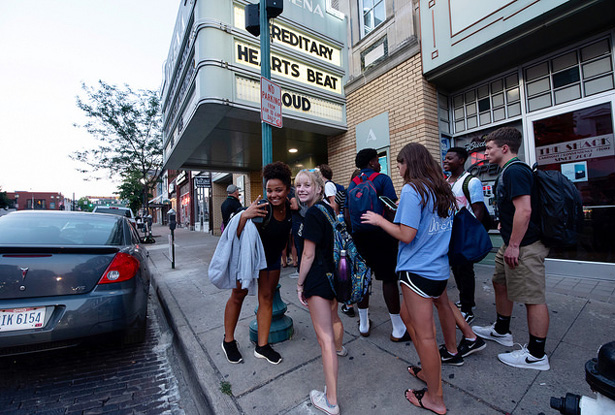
{"x":116,"y":210}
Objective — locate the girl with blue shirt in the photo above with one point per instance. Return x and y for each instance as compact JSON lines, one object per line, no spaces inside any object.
{"x":422,"y":225}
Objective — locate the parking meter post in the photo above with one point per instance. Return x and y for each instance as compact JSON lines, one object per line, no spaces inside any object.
{"x":172,"y":249}
{"x":172,"y":226}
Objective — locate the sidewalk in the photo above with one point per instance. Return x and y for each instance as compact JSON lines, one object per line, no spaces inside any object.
{"x":373,"y":377}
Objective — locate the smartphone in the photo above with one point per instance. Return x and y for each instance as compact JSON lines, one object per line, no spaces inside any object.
{"x":260,"y":219}
{"x":388,"y":203}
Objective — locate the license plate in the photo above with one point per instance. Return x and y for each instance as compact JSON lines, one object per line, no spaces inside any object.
{"x":21,"y":318}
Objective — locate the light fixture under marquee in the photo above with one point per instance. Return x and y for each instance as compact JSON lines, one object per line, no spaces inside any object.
{"x":292,"y":150}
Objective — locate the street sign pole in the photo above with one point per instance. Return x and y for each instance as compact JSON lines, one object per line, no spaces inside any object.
{"x":266,"y":73}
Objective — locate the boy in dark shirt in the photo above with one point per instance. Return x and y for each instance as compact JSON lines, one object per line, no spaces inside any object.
{"x":520,"y":263}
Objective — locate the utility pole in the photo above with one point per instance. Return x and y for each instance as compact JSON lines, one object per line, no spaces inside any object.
{"x":265,"y":73}
{"x":265,"y":10}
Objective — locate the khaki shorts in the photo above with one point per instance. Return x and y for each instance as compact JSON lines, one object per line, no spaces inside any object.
{"x":526,"y":282}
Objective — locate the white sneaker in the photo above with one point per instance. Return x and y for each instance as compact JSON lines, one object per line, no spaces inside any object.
{"x":524,"y":360}
{"x":343,"y":352}
{"x":319,"y":400}
{"x":294,"y":275}
{"x":489,"y":333}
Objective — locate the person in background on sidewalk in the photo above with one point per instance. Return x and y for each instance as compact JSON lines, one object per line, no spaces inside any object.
{"x":314,"y":289}
{"x":520,"y":262}
{"x":379,"y":251}
{"x":274,"y":235}
{"x":331,"y":187}
{"x":289,"y":254}
{"x":231,"y":204}
{"x":423,"y":224}
{"x":468,"y":195}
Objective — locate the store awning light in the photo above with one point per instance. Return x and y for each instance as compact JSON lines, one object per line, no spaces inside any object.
{"x":292,"y":150}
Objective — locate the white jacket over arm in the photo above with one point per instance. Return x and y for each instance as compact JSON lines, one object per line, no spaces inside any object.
{"x":237,"y":259}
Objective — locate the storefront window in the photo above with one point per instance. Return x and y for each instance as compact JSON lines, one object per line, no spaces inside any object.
{"x":580,"y":145}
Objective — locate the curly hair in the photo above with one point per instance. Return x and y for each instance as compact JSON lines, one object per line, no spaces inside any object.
{"x":277,"y":170}
{"x":364,"y":157}
{"x":424,"y":174}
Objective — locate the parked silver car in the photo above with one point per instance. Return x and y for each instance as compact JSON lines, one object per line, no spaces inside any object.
{"x":117,"y":210}
{"x":65,"y":276}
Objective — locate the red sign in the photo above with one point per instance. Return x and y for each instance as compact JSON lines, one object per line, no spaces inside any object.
{"x":271,"y":103}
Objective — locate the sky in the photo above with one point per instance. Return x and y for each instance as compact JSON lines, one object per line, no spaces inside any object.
{"x":48,"y":48}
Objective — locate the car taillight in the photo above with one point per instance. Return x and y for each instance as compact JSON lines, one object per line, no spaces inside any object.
{"x":122,"y":268}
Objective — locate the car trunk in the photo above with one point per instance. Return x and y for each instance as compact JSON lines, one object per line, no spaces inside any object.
{"x":29,"y":272}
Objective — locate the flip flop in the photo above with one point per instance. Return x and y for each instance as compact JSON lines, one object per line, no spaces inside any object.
{"x":414,"y":371}
{"x":418,"y":394}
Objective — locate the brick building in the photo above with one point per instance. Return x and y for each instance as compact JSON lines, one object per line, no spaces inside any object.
{"x":40,"y":200}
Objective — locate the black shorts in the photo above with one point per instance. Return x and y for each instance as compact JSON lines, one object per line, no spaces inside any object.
{"x":318,"y":286}
{"x":424,"y":287}
{"x":379,"y":250}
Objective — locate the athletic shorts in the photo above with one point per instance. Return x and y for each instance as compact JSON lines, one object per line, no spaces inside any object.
{"x":526,"y":282}
{"x":424,"y":287}
{"x":276,"y":265}
{"x":379,"y":250}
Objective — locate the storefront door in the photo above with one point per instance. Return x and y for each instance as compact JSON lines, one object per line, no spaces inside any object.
{"x":579,"y":142}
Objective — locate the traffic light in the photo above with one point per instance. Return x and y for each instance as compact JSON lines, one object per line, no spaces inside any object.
{"x":253,"y":25}
{"x":252,"y":11}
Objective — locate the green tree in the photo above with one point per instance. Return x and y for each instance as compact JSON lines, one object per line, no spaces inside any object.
{"x":4,"y":200}
{"x":128,"y":127}
{"x":131,"y":190}
{"x":85,"y":204}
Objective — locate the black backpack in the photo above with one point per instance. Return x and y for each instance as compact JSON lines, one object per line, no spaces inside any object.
{"x":559,"y":205}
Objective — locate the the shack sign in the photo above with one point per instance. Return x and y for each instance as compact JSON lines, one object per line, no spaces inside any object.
{"x":582,"y":149}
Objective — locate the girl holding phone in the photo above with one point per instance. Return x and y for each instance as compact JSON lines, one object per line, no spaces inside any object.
{"x":422,"y":224}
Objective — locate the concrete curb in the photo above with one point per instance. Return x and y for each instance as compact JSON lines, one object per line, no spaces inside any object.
{"x":201,"y":374}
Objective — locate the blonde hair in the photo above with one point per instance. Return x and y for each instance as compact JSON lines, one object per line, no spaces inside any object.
{"x":315,"y":179}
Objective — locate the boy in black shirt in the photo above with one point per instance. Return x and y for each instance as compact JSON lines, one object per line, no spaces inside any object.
{"x":520,"y":263}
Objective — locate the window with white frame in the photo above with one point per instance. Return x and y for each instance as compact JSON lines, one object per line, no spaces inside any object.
{"x":373,"y":13}
{"x":493,"y":101}
{"x":575,"y":74}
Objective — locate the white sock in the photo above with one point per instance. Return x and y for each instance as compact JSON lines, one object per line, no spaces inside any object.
{"x":471,"y":340}
{"x":363,"y":320}
{"x":399,"y":328}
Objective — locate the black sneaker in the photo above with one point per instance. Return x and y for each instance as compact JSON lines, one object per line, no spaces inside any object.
{"x":458,"y":304}
{"x":468,"y":316}
{"x":349,"y":311}
{"x":267,"y":352}
{"x":231,"y":351}
{"x":449,"y":359}
{"x":467,"y":347}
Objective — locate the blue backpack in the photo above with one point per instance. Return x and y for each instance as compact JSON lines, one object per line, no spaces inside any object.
{"x":360,"y":273}
{"x":360,"y":199}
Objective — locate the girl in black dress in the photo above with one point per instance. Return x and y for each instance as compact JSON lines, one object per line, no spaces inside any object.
{"x":274,"y":234}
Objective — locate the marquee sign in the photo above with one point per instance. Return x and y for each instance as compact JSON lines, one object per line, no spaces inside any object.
{"x":289,"y":68}
{"x":249,"y":89}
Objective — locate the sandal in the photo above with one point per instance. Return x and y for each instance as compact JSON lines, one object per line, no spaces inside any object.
{"x":418,"y":394}
{"x":414,"y":371}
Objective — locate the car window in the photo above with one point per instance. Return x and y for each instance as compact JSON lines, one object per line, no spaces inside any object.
{"x":61,"y":229}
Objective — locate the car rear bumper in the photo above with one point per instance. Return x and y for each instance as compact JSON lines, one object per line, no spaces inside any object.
{"x":108,"y":308}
